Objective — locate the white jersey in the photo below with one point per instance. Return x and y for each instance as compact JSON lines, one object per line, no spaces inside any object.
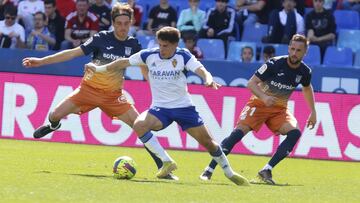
{"x":167,"y":76}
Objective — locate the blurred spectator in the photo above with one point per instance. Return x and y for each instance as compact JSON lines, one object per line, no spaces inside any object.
{"x":278,"y":5}
{"x":26,"y":11}
{"x":55,"y":22}
{"x":160,"y":16}
{"x":138,"y":12}
{"x":65,"y":7}
{"x":351,"y":5}
{"x":191,"y":19}
{"x":40,"y":37}
{"x":103,"y":14}
{"x":190,"y":43}
{"x":3,"y":5}
{"x":219,"y":22}
{"x":284,"y":24}
{"x":12,"y":35}
{"x":80,"y":25}
{"x":320,"y":26}
{"x":247,"y":54}
{"x":249,"y":11}
{"x":268,"y":53}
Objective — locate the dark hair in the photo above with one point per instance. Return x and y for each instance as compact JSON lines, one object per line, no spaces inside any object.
{"x":11,"y":10}
{"x":169,"y":34}
{"x":300,"y":38}
{"x":270,"y":50}
{"x":122,"y":9}
{"x":53,"y":2}
{"x":42,"y":14}
{"x":189,"y":36}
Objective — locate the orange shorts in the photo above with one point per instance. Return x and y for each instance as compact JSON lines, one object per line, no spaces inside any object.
{"x":255,"y":113}
{"x":87,"y":98}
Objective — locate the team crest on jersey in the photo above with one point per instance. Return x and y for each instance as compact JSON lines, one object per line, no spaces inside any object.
{"x":122,"y":99}
{"x":174,"y":63}
{"x":298,"y":78}
{"x":128,"y":51}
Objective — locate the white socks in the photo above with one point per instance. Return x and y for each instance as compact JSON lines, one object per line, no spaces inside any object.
{"x":224,"y":163}
{"x":267,"y":167}
{"x":152,"y":143}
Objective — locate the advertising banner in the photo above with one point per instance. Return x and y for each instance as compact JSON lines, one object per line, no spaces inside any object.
{"x":27,"y":99}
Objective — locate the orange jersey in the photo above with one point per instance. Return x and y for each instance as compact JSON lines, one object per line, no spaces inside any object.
{"x":105,"y":48}
{"x":109,"y":81}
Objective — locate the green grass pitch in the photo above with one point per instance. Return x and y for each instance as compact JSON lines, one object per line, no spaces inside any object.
{"x":33,"y":171}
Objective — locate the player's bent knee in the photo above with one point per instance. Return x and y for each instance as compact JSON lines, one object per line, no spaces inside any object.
{"x":296,"y":133}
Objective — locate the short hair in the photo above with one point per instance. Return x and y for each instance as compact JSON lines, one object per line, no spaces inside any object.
{"x":122,"y":9}
{"x":247,"y":47}
{"x":270,"y":50}
{"x":43,"y":15}
{"x":53,"y":2}
{"x":169,"y":34}
{"x":10,"y":10}
{"x":299,"y":38}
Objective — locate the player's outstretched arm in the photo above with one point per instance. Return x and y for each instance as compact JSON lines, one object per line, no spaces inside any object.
{"x":207,"y":78}
{"x":30,"y":62}
{"x":118,"y":64}
{"x":309,"y":98}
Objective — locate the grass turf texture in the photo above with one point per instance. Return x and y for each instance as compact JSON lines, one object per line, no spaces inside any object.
{"x":33,"y":171}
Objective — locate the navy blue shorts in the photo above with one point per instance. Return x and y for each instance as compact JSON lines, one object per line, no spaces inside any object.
{"x":186,"y":117}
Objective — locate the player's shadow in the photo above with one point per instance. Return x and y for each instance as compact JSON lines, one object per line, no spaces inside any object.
{"x":277,"y":184}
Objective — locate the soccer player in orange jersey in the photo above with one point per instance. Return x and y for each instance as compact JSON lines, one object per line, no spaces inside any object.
{"x":103,"y":90}
{"x":272,"y":85}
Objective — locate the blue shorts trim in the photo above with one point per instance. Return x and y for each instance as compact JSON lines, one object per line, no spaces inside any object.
{"x":186,"y":117}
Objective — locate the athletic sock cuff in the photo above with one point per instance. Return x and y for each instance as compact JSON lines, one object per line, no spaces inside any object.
{"x":217,"y":153}
{"x":146,"y":137}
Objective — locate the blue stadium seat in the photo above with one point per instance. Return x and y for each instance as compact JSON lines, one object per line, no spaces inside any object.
{"x":349,"y":38}
{"x":234,"y":51}
{"x":313,"y":56}
{"x":144,"y":40}
{"x":280,"y":49}
{"x":254,"y":33}
{"x":212,"y":48}
{"x":357,"y":59}
{"x":346,"y":19}
{"x":340,"y":57}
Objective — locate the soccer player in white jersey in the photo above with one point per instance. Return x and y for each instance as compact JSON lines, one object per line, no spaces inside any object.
{"x":170,"y":98}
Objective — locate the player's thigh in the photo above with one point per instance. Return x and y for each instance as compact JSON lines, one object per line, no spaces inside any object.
{"x":129,"y":116}
{"x":146,"y":122}
{"x":283,"y":122}
{"x":252,"y":117}
{"x":64,"y":108}
{"x":203,"y":136}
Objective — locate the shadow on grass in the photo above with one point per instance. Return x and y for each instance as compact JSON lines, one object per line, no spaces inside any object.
{"x":138,"y":180}
{"x":277,"y":184}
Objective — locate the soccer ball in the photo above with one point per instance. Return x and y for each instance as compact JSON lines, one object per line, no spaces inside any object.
{"x":124,"y":168}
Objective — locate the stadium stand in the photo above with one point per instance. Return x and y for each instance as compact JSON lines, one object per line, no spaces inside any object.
{"x":254,"y":33}
{"x":313,"y":56}
{"x":212,"y":48}
{"x":234,"y":51}
{"x":349,"y":38}
{"x":342,"y":57}
{"x":346,"y":19}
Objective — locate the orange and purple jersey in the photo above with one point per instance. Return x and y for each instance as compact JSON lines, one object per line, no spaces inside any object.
{"x":107,"y":48}
{"x":280,"y":80}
